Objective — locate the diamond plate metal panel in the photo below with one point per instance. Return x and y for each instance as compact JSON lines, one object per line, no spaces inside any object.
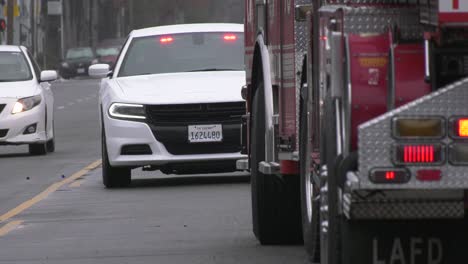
{"x":301,"y":41}
{"x":406,"y":210}
{"x":403,"y":204}
{"x":375,"y":140}
{"x":378,"y":20}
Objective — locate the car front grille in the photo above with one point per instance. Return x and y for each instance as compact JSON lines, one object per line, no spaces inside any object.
{"x":169,"y":115}
{"x":169,"y":124}
{"x":3,"y":133}
{"x":2,"y":106}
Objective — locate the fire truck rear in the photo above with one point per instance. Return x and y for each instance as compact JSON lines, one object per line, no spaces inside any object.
{"x":357,"y":129}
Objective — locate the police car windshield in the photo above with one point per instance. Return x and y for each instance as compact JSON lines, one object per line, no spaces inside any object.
{"x":188,"y":52}
{"x":14,"y":67}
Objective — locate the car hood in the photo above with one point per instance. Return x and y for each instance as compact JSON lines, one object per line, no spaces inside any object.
{"x":183,"y":88}
{"x":18,"y":89}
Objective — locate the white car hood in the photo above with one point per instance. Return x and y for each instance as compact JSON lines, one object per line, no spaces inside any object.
{"x":18,"y":89}
{"x":183,"y":88}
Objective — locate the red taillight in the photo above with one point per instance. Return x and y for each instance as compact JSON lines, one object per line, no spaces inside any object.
{"x":462,"y":127}
{"x":419,"y":154}
{"x":391,"y":175}
{"x":230,"y":37}
{"x":166,"y":40}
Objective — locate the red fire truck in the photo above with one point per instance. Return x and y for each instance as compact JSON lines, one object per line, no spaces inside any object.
{"x":357,"y":128}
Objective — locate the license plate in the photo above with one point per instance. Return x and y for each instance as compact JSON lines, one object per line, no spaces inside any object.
{"x":205,"y":133}
{"x":80,"y":70}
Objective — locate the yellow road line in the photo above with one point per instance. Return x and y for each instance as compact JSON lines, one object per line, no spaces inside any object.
{"x":10,"y":226}
{"x":76,"y":183}
{"x":54,"y":187}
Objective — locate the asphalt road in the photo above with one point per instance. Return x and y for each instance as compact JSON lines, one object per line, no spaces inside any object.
{"x":54,"y":208}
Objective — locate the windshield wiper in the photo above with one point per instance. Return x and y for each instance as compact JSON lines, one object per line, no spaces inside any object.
{"x":212,"y":69}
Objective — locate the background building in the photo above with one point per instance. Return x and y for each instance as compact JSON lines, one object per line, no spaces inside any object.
{"x":49,"y":27}
{"x":29,"y":27}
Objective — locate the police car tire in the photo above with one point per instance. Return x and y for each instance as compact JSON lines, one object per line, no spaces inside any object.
{"x":275,"y":199}
{"x":113,"y":177}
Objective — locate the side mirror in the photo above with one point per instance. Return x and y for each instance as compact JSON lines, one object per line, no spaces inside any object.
{"x":48,"y":76}
{"x":99,"y":71}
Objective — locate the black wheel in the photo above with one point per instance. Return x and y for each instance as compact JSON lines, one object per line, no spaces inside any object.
{"x":50,"y":145}
{"x":51,"y":142}
{"x":309,"y":189}
{"x":38,"y":149}
{"x":113,"y":177}
{"x":330,"y":236}
{"x":275,"y":199}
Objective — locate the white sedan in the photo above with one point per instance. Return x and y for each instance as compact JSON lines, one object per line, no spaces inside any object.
{"x":26,"y":102}
{"x":173,"y":102}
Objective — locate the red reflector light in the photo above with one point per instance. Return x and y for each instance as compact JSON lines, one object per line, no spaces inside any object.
{"x":230,"y":37}
{"x":462,"y":127}
{"x":165,"y":40}
{"x":392,"y":175}
{"x":429,"y":175}
{"x":419,"y":154}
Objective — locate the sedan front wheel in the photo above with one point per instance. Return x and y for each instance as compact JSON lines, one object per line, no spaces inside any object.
{"x":113,"y":177}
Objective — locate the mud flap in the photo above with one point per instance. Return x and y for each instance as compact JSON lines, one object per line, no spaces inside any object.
{"x":405,"y":242}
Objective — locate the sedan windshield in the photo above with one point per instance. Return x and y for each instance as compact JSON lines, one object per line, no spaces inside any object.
{"x":14,"y":67}
{"x":107,"y":51}
{"x":188,"y":52}
{"x":78,"y":53}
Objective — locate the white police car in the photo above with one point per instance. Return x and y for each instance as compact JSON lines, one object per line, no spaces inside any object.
{"x":173,"y":102}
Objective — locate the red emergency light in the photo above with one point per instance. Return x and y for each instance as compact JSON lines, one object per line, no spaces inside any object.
{"x":166,"y":40}
{"x":229,"y":37}
{"x":418,"y":154}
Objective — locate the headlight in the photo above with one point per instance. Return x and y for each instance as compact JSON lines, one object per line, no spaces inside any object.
{"x":95,"y":61}
{"x":26,"y":104}
{"x":65,"y":65}
{"x":127,"y":111}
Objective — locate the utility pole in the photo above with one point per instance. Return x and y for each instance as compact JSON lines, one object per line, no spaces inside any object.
{"x":10,"y":21}
{"x":33,"y":27}
{"x":62,"y":29}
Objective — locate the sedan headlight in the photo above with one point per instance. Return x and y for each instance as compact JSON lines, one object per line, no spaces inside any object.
{"x":26,"y":104}
{"x":127,"y":111}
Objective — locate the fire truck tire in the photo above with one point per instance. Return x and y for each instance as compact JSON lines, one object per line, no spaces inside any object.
{"x":276,"y":213}
{"x":309,"y":191}
{"x":330,"y":236}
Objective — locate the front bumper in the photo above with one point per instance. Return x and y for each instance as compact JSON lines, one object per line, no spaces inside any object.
{"x":74,"y":70}
{"x":120,"y":133}
{"x":14,"y":126}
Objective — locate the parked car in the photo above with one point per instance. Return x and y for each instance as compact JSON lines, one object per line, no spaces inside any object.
{"x":173,"y":102}
{"x":77,"y":61}
{"x":108,"y":51}
{"x":26,"y":102}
